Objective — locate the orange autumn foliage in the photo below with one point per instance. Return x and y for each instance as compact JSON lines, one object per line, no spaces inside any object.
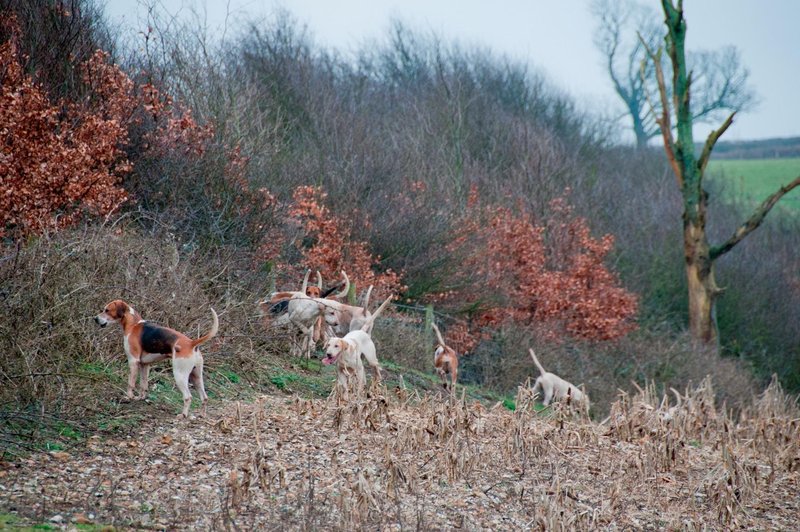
{"x":61,"y":161}
{"x":175,"y":128}
{"x":332,"y":248}
{"x":550,"y":277}
{"x":55,"y":166}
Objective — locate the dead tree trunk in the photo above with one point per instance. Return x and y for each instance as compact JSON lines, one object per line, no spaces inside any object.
{"x":703,"y":289}
{"x":689,"y":171}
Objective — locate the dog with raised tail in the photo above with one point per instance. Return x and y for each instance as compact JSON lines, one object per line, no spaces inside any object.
{"x":346,"y":353}
{"x":302,"y":310}
{"x":145,"y":343}
{"x":550,"y":387}
{"x":445,"y":360}
{"x":277,"y":303}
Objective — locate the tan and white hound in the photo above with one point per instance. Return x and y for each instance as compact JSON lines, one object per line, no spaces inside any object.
{"x":146,"y":343}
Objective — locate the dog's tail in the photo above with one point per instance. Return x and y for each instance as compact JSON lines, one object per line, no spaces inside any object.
{"x":438,"y":334}
{"x":335,"y":287}
{"x":677,"y":396}
{"x":305,"y":282}
{"x":368,"y":324}
{"x":210,"y":334}
{"x":536,"y":361}
{"x":343,"y":292}
{"x":365,"y":303}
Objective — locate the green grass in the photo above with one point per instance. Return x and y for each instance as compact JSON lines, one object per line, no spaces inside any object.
{"x":282,"y":380}
{"x":20,"y":524}
{"x":753,"y":180}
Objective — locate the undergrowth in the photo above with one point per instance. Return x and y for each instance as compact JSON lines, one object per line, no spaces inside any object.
{"x":64,"y":378}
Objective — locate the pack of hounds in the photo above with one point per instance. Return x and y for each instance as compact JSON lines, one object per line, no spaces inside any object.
{"x":316,"y":316}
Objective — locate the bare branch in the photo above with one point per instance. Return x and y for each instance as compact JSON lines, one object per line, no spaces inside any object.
{"x":711,"y":141}
{"x":722,"y":83}
{"x":664,"y":121}
{"x":754,"y":221}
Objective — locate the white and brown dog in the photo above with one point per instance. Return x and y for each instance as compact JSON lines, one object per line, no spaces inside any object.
{"x":302,"y":309}
{"x":445,"y":360}
{"x":146,"y":343}
{"x":343,"y":318}
{"x":346,"y":353}
{"x":551,"y":388}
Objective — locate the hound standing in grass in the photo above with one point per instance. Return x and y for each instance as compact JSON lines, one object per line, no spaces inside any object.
{"x":445,"y":360}
{"x":146,"y":342}
{"x":551,"y":388}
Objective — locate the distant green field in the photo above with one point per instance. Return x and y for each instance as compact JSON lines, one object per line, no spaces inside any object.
{"x":752,"y":180}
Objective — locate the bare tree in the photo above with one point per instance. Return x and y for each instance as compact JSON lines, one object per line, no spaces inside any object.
{"x":689,"y":171}
{"x":719,"y":87}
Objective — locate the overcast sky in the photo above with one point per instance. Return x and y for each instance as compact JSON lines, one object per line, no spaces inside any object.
{"x":554,"y":36}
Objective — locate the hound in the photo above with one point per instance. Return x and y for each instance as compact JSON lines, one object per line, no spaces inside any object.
{"x":554,"y":388}
{"x":146,"y":342}
{"x":302,"y":310}
{"x":346,"y":353}
{"x":277,"y":302}
{"x":343,"y":318}
{"x":445,"y":360}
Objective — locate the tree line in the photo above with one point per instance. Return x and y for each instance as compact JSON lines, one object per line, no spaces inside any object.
{"x":411,"y":141}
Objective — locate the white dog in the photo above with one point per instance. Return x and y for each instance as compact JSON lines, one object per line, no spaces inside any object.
{"x":346,"y":353}
{"x":551,"y":387}
{"x":303,"y":310}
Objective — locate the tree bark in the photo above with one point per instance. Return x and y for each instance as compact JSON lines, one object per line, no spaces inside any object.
{"x":702,"y":286}
{"x":703,"y":289}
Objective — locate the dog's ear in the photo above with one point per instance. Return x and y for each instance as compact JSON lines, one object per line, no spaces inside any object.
{"x":117,"y":309}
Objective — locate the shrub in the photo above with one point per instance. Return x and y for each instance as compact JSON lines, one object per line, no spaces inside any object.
{"x":61,"y":161}
{"x":328,"y":247}
{"x":550,"y":276}
{"x":55,"y":167}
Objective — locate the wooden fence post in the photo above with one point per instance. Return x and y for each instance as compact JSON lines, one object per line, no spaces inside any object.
{"x":351,"y":294}
{"x":429,"y":324}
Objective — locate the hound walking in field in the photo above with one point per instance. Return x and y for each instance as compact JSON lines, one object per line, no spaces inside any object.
{"x":146,"y":343}
{"x":346,"y":353}
{"x":551,"y":387}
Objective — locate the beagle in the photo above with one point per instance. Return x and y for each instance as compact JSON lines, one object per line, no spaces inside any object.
{"x":146,"y":343}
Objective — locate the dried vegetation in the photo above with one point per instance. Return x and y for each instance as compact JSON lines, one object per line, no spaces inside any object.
{"x":395,"y":460}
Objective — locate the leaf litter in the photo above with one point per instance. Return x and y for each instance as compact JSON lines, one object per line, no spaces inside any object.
{"x":394,"y":460}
